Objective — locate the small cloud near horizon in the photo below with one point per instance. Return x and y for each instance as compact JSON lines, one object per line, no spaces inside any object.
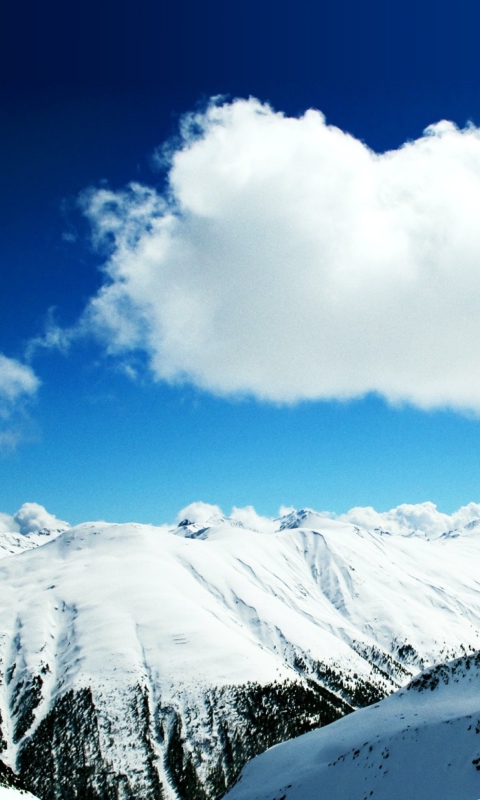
{"x":403,"y":519}
{"x":29,"y":518}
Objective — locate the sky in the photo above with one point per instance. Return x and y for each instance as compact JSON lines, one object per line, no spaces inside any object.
{"x":234,"y":266}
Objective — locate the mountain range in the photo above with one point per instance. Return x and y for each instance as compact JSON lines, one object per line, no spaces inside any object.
{"x":154,"y":662}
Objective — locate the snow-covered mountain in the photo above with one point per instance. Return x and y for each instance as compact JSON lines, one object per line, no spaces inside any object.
{"x":151,"y":662}
{"x":30,"y":526}
{"x":421,"y":742}
{"x":12,"y":542}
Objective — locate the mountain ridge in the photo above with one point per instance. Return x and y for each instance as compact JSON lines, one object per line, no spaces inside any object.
{"x":422,"y":741}
{"x":171,"y":656}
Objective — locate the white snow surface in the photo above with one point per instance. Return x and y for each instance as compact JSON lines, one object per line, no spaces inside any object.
{"x":13,"y":542}
{"x":214,"y":604}
{"x":417,"y":743}
{"x":8,"y":793}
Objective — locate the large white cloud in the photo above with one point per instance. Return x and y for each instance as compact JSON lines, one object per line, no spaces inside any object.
{"x":288,"y":261}
{"x":18,"y":384}
{"x":29,"y":518}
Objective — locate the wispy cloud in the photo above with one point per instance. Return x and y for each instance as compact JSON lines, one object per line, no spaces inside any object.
{"x":54,"y":337}
{"x":16,"y":380}
{"x":288,"y":261}
{"x":18,"y":386}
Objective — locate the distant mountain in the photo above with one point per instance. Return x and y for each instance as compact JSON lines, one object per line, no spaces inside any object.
{"x":143,"y":662}
{"x":12,"y":543}
{"x":422,"y":742}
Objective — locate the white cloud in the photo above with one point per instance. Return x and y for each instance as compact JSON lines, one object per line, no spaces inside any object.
{"x":423,"y":517}
{"x":53,"y":338}
{"x":284,"y":511}
{"x":250,"y":519}
{"x":420,"y":518}
{"x":32,"y":517}
{"x":7,"y":525}
{"x":16,"y":380}
{"x":290,"y":262}
{"x":29,"y":518}
{"x":199,"y":512}
{"x":18,"y":385}
{"x":204,"y":513}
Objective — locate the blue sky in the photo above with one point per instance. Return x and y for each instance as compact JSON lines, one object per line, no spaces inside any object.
{"x":115,"y":432}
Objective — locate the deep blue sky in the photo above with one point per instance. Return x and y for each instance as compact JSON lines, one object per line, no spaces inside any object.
{"x":86,"y":94}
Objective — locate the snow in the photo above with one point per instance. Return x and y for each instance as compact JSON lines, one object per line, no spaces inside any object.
{"x":213,"y":603}
{"x":13,"y":542}
{"x":415,"y":743}
{"x":224,"y":604}
{"x":8,"y":793}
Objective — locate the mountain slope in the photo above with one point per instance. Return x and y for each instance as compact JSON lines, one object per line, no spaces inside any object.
{"x":11,"y":786}
{"x":140,"y":661}
{"x":12,"y":543}
{"x":423,"y":741}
